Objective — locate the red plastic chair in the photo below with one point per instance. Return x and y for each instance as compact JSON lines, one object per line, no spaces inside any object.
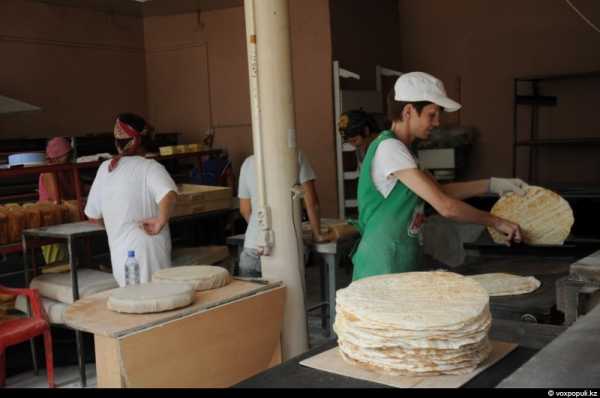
{"x":15,"y":331}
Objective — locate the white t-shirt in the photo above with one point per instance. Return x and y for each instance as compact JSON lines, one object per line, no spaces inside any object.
{"x":391,"y":156}
{"x":248,"y":189}
{"x":123,"y":198}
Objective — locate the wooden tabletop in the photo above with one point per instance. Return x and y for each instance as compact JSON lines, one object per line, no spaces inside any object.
{"x":91,"y":314}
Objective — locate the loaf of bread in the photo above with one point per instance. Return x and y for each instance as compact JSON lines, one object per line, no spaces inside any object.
{"x":65,"y":214}
{"x":73,"y":209}
{"x":33,"y":215}
{"x":51,"y":213}
{"x":16,"y":223}
{"x":3,"y":226}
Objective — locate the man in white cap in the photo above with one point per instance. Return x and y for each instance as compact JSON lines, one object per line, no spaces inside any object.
{"x":392,"y":190}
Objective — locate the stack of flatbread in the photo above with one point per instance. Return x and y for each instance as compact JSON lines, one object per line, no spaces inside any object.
{"x":414,"y":324}
{"x":545,"y":217}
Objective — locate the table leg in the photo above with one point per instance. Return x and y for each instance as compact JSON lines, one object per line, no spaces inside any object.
{"x":73,"y":264}
{"x":324,"y":289}
{"x":80,"y":357}
{"x":34,"y":266}
{"x":25,"y":258}
{"x":330,"y":260}
{"x":27,"y":280}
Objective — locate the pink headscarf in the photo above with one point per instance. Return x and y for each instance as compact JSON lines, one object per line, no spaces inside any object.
{"x":57,"y":147}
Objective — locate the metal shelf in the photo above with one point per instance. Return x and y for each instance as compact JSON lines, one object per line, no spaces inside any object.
{"x":351,"y":175}
{"x":75,"y":168}
{"x":560,"y":141}
{"x":11,"y":248}
{"x":584,"y":75}
{"x":534,"y":101}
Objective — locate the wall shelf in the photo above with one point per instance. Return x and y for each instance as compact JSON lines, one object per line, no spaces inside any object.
{"x":560,"y":141}
{"x":534,"y":100}
{"x":74,"y":168}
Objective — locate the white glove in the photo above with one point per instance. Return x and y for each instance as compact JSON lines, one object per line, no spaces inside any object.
{"x":501,"y":186}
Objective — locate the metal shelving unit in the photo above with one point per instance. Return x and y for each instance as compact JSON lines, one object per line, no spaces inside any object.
{"x":75,"y":168}
{"x":535,"y":100}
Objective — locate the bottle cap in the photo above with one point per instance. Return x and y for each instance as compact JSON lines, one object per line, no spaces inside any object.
{"x":131,"y":253}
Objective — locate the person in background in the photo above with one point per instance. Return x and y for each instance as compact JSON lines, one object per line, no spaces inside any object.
{"x":359,"y":129}
{"x":55,"y":187}
{"x":133,"y":197}
{"x":392,"y":189}
{"x":249,"y":262}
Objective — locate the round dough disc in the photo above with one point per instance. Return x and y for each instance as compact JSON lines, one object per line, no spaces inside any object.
{"x":545,"y":217}
{"x":201,"y":277}
{"x":151,"y":297}
{"x":500,"y":284}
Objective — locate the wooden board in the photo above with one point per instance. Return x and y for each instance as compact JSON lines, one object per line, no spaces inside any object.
{"x":188,"y":208}
{"x":202,"y":193}
{"x":212,"y":349}
{"x":90,"y":314}
{"x":331,"y":361}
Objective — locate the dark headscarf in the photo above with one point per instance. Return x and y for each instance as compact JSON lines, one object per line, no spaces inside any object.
{"x":129,"y":126}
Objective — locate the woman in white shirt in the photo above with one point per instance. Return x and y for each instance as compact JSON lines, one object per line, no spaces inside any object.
{"x":133,"y":197}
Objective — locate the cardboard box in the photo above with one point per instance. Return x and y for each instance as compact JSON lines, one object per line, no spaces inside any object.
{"x":193,"y":148}
{"x":198,"y":193}
{"x":194,"y":199}
{"x":167,"y":150}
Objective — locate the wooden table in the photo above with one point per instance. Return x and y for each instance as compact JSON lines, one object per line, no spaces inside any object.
{"x":73,"y":234}
{"x":226,"y":336}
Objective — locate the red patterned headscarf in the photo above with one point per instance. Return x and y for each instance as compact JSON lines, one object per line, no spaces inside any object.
{"x":123,"y":131}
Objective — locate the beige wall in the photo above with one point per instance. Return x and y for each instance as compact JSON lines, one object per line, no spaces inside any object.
{"x":487,"y":44}
{"x":198,"y":78}
{"x":82,"y":67}
{"x":186,"y":73}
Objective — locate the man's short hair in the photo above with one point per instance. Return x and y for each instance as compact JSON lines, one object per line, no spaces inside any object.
{"x":395,"y":108}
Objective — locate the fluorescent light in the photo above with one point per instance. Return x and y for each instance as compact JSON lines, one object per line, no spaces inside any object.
{"x":10,"y":105}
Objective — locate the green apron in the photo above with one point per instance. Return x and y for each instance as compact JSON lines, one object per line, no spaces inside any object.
{"x":390,"y":227}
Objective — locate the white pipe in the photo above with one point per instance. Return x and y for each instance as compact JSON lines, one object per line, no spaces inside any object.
{"x":255,"y":101}
{"x":270,"y":66}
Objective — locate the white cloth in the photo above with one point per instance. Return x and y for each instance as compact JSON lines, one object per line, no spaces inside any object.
{"x":123,"y":198}
{"x":248,"y":189}
{"x":391,"y":156}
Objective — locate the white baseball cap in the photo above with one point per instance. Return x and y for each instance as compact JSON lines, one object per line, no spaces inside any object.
{"x":420,"y":86}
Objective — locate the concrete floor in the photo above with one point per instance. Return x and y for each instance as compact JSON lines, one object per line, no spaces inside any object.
{"x":65,"y":377}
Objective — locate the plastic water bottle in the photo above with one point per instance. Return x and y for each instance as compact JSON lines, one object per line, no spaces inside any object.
{"x":132,"y":269}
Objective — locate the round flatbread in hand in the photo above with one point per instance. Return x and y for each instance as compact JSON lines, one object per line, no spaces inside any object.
{"x":149,"y":298}
{"x":202,"y":277}
{"x":545,"y":217}
{"x":500,"y":284}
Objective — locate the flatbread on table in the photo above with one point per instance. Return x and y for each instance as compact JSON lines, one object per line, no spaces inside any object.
{"x":501,"y":284}
{"x":544,"y":216}
{"x":151,"y":297}
{"x":202,"y":277}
